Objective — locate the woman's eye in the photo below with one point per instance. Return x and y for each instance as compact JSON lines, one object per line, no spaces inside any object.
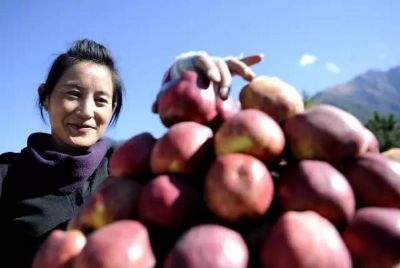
{"x":102,"y":100}
{"x":74,"y":94}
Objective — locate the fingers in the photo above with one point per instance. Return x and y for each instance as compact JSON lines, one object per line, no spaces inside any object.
{"x":226,"y":79}
{"x":220,"y":71}
{"x":217,"y":71}
{"x":252,"y":59}
{"x":238,"y":67}
{"x":242,"y":66}
{"x":207,"y":65}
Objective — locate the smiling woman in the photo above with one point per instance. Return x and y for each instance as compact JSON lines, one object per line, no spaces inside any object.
{"x":44,"y":184}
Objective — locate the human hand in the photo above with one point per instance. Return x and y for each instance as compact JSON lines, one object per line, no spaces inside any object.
{"x":217,"y":70}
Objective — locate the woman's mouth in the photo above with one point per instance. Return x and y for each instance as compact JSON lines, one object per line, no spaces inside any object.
{"x":81,"y":127}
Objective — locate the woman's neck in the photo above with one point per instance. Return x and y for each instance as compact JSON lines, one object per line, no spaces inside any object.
{"x":63,"y":148}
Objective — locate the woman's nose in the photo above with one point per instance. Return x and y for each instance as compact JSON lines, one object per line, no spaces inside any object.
{"x":86,"y":108}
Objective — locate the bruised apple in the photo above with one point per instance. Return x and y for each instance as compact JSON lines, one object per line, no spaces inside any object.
{"x":325,"y":132}
{"x":116,"y":198}
{"x":185,"y":148}
{"x":123,"y":243}
{"x":187,"y":100}
{"x":168,"y":202}
{"x":132,"y":158}
{"x":304,"y":239}
{"x":373,"y":237}
{"x":252,"y":132}
{"x":375,"y":180}
{"x":60,"y":249}
{"x":238,"y":187}
{"x":273,"y":96}
{"x":209,"y":245}
{"x":316,"y":185}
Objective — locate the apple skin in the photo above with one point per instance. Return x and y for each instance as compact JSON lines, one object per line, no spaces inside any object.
{"x":373,"y":237}
{"x":225,"y":110}
{"x":168,"y":202}
{"x":238,"y":188}
{"x":185,"y":148}
{"x":123,"y":243}
{"x":252,"y":132}
{"x":371,"y":141}
{"x":116,"y":198}
{"x":375,"y":180}
{"x":132,"y":158}
{"x":209,"y":245}
{"x":60,"y":249}
{"x":273,"y":96}
{"x":325,"y":132}
{"x":187,"y":100}
{"x":304,"y":239}
{"x":316,"y":185}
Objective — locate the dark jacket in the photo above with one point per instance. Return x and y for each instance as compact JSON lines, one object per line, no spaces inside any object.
{"x":28,"y":215}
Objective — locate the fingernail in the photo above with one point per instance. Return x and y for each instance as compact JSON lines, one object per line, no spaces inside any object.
{"x":214,"y":75}
{"x":250,"y":74}
{"x":224,"y":92}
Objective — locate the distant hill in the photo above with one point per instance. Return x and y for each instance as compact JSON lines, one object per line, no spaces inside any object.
{"x":372,"y":91}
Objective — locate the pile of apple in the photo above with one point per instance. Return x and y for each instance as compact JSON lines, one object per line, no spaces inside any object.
{"x":266,"y":183}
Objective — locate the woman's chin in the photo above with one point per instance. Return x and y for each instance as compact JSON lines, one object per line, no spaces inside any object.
{"x":78,"y":144}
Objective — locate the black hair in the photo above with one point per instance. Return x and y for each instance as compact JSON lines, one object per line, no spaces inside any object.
{"x":80,"y":51}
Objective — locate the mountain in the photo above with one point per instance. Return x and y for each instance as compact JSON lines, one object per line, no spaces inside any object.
{"x":372,"y":91}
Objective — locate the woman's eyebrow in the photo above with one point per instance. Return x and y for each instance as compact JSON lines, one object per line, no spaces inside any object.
{"x":73,"y":84}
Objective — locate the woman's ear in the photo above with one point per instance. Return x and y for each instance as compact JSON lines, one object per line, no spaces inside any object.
{"x":41,"y":92}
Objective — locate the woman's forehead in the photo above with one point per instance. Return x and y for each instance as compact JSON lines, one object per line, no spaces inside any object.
{"x":86,"y":75}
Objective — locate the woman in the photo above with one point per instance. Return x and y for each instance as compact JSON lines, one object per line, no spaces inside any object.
{"x":42,"y":186}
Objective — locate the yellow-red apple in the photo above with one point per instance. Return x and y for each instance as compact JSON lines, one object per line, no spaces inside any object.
{"x":185,"y":148}
{"x":273,"y":96}
{"x":252,"y":132}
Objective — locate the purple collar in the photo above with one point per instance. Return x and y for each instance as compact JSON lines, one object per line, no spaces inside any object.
{"x":58,"y":172}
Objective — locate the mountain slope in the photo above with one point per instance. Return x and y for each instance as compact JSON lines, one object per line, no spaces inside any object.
{"x":372,"y":91}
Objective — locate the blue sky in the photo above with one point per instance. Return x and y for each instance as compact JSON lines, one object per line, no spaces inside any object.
{"x":309,"y":44}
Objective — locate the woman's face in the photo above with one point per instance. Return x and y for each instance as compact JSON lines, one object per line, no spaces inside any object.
{"x":80,"y":106}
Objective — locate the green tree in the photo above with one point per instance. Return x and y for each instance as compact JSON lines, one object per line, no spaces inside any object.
{"x":385,"y":129}
{"x":307,"y":99}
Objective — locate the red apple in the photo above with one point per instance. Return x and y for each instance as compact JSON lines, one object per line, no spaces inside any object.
{"x":116,"y":198}
{"x":273,"y":96}
{"x":304,"y":239}
{"x":168,"y":202}
{"x":123,"y":243}
{"x":372,"y":141}
{"x":373,"y":237}
{"x":60,"y":249}
{"x":252,"y":132}
{"x":209,"y":246}
{"x":318,"y":186}
{"x":225,"y":110}
{"x":187,"y":100}
{"x":185,"y":148}
{"x":375,"y":180}
{"x":132,"y":158}
{"x":238,"y":187}
{"x":325,"y":132}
